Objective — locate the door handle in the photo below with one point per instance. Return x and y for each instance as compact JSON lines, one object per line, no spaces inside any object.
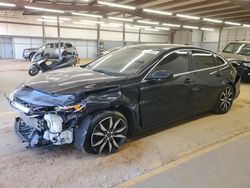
{"x":187,"y":81}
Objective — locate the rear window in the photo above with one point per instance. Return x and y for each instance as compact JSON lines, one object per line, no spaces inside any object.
{"x":232,"y":47}
{"x":202,"y":60}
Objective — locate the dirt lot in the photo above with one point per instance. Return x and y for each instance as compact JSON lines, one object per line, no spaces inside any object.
{"x":66,"y":167}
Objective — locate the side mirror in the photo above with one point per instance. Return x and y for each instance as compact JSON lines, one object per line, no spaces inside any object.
{"x":160,"y":74}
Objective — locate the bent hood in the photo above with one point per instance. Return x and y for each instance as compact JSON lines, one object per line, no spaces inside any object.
{"x":73,"y":80}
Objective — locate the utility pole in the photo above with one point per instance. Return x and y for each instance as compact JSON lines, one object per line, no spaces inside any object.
{"x":59,"y":37}
{"x":43,"y":26}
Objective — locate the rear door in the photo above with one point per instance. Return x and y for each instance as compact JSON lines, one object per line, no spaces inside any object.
{"x":70,"y":48}
{"x":164,"y":101}
{"x":208,"y":80}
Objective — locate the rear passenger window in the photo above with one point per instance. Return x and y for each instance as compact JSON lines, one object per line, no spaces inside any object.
{"x":68,"y":45}
{"x":218,"y":60}
{"x":177,"y":62}
{"x":61,"y":44}
{"x":202,"y":60}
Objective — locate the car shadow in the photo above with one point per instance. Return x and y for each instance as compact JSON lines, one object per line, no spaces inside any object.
{"x":168,"y":126}
{"x":132,"y":142}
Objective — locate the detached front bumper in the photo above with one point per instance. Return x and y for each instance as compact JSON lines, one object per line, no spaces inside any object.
{"x":51,"y":120}
{"x":52,"y":129}
{"x":29,"y":134}
{"x":49,"y":129}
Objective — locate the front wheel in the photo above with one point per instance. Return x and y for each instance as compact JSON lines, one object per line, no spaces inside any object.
{"x":107,"y":133}
{"x":225,"y":100}
{"x":31,"y":56}
{"x":33,"y":70}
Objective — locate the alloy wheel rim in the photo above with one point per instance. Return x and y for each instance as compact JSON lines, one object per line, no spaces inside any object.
{"x":109,"y":135}
{"x":226,"y":98}
{"x":34,"y":71}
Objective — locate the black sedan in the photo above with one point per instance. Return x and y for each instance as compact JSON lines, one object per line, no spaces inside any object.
{"x":133,"y":89}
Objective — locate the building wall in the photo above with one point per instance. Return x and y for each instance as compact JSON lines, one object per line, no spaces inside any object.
{"x":6,"y":47}
{"x":204,"y":39}
{"x":233,"y":34}
{"x":182,"y":37}
{"x":30,"y":34}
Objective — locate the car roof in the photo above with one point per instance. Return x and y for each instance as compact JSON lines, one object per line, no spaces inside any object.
{"x":243,"y":42}
{"x":165,"y":47}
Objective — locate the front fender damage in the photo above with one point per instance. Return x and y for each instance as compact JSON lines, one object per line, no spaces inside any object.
{"x":63,"y":125}
{"x":104,"y":99}
{"x":80,"y":132}
{"x":95,"y":102}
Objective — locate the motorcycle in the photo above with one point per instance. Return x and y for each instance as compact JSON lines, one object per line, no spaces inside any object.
{"x":40,"y":62}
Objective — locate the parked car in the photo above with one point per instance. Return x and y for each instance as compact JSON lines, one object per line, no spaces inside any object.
{"x":128,"y":91}
{"x":239,"y":52}
{"x":50,"y":50}
{"x":28,"y":53}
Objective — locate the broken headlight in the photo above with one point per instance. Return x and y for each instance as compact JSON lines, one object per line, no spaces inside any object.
{"x":71,"y":108}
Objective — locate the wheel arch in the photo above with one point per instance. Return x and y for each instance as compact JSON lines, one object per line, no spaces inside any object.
{"x":127,"y":112}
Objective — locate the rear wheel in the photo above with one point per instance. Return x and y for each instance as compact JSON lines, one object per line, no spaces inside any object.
{"x":107,"y":133}
{"x":33,"y":70}
{"x":225,"y":100}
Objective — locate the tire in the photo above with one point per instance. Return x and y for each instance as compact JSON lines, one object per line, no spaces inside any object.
{"x":225,"y":100}
{"x":107,"y":133}
{"x":33,"y":70}
{"x":31,"y":55}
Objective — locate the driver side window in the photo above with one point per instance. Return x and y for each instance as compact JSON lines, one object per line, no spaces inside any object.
{"x":50,"y":45}
{"x":177,"y":62}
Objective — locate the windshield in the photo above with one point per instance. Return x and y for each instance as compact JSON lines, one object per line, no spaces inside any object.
{"x":125,"y":61}
{"x":232,"y":47}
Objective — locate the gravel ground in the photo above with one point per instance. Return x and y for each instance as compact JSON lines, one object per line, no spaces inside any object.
{"x":66,"y":167}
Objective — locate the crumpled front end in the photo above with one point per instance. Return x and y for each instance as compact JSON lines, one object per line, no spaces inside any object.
{"x":45,"y":119}
{"x":57,"y":119}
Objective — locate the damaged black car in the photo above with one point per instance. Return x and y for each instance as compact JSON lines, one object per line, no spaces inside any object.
{"x":133,"y":89}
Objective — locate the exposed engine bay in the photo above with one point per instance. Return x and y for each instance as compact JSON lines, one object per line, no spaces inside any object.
{"x":43,"y":125}
{"x":47,"y":129}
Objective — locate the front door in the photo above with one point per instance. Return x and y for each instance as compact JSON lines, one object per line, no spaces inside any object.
{"x":164,"y":101}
